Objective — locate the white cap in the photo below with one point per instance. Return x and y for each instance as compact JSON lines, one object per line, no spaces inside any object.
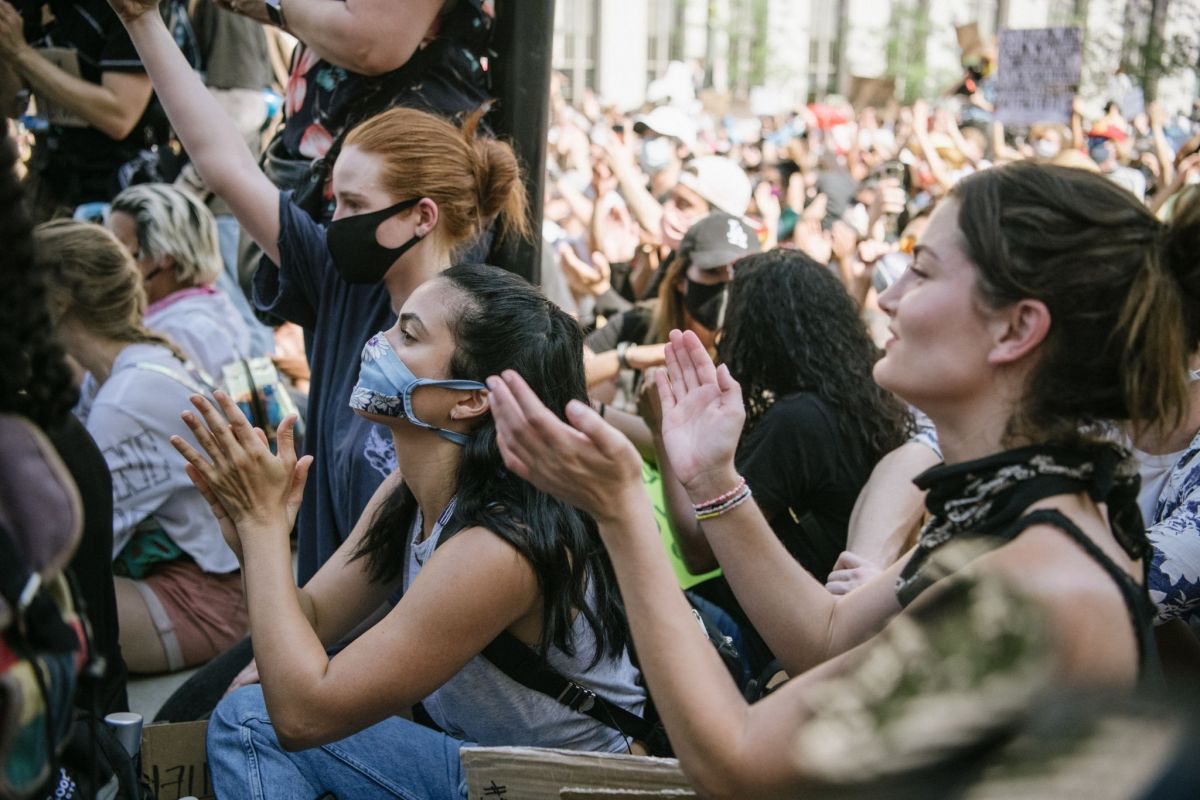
{"x":668,"y":121}
{"x":719,"y":181}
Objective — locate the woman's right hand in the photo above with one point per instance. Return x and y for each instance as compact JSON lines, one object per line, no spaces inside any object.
{"x":247,"y":676}
{"x":702,"y":417}
{"x":129,"y":10}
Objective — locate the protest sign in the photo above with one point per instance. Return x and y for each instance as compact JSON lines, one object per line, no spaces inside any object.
{"x":1038,"y":75}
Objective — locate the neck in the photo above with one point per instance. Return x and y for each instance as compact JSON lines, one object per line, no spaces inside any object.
{"x":95,"y":354}
{"x":435,"y":482}
{"x":1159,"y":442}
{"x":418,"y":265}
{"x":976,"y":427}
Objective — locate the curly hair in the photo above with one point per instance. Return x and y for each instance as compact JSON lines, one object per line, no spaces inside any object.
{"x":790,"y":326}
{"x":35,"y":380}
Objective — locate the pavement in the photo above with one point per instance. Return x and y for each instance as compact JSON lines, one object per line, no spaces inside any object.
{"x":148,"y":693}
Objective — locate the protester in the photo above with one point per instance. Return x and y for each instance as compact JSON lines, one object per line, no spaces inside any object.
{"x":77,"y":60}
{"x":36,"y":383}
{"x":1000,"y":335}
{"x":455,"y":522}
{"x":816,"y":424}
{"x":173,"y":240}
{"x":179,"y":594}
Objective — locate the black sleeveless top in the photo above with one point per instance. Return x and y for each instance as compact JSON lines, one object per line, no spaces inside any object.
{"x":983,"y":503}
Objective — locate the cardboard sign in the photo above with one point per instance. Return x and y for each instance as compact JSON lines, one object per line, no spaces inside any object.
{"x":531,"y":773}
{"x":872,"y":92}
{"x":174,"y":762}
{"x":1038,"y":75}
{"x":969,"y":40}
{"x":624,"y":794}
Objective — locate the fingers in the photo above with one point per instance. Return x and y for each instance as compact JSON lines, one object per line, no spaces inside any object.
{"x":730,"y":388}
{"x":299,"y":478}
{"x":285,"y":439}
{"x":509,"y":420}
{"x":214,"y":435}
{"x":695,"y":363}
{"x":239,"y":426}
{"x":607,"y":439}
{"x":849,"y":560}
{"x":665,"y":395}
{"x":674,"y":367}
{"x":196,"y":462}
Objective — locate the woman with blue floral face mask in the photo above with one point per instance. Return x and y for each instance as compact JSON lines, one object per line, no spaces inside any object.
{"x":475,"y":551}
{"x":411,"y":190}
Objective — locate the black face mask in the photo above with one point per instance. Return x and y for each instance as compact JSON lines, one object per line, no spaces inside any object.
{"x":706,"y":302}
{"x":357,"y":254}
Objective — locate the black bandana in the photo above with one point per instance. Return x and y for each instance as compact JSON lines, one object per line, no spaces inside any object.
{"x":982,"y":499}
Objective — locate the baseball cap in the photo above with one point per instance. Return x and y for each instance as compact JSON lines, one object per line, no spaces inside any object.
{"x":719,"y":181}
{"x":718,"y":239}
{"x":668,"y":121}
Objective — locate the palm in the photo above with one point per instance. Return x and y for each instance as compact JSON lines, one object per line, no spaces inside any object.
{"x":702,"y":412}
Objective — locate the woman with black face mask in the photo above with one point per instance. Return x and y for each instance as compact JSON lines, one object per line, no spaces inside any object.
{"x":411,"y":190}
{"x":692,"y":296}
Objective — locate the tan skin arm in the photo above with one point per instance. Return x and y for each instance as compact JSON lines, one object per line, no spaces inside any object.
{"x":889,"y":509}
{"x":112,"y":106}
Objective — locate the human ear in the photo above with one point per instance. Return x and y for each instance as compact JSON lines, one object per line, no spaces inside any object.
{"x":427,"y":216}
{"x":472,"y":405}
{"x":1018,"y":329}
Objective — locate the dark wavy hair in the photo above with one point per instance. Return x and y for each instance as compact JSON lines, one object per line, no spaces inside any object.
{"x":790,"y":326}
{"x":505,"y":323}
{"x":35,"y":380}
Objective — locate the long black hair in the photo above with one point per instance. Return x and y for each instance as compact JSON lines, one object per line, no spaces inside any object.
{"x":35,"y":380}
{"x":505,"y":323}
{"x":791,"y":326}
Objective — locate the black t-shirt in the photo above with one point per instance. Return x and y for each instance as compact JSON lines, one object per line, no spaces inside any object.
{"x":628,"y":326}
{"x":805,"y":477}
{"x":81,"y":163}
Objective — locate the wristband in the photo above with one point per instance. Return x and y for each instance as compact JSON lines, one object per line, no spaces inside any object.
{"x":716,"y":501}
{"x":275,"y":13}
{"x":729,"y":505}
{"x":622,"y":349}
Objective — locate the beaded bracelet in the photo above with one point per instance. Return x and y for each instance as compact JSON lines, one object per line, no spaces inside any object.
{"x":716,"y":501}
{"x":726,"y":507}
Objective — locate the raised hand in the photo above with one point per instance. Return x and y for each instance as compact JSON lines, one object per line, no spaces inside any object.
{"x":129,"y":10}
{"x":245,"y":483}
{"x":586,"y":463}
{"x":702,"y":417}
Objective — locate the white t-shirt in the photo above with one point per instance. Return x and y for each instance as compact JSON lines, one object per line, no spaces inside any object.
{"x":132,"y":416}
{"x":204,"y":324}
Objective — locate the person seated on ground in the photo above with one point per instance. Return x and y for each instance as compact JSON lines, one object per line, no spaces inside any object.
{"x":692,"y":296}
{"x":36,"y":383}
{"x":816,"y":422}
{"x":476,"y":551}
{"x":179,"y":594}
{"x":1024,"y":317}
{"x":173,"y":240}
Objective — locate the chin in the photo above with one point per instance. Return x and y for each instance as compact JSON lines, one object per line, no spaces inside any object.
{"x":885,"y":374}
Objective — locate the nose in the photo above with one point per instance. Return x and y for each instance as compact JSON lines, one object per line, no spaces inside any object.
{"x":891,"y":296}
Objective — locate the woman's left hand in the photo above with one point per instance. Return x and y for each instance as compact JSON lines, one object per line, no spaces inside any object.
{"x":589,"y":464}
{"x":255,"y":487}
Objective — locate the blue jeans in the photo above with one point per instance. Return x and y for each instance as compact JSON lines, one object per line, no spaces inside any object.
{"x":394,"y":758}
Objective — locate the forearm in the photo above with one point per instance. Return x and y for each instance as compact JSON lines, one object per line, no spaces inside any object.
{"x":707,"y":736}
{"x":358,"y":36}
{"x":635,"y":429}
{"x":291,"y":658}
{"x":693,"y":546}
{"x":96,"y":104}
{"x":1166,"y":160}
{"x":208,"y":135}
{"x":646,"y":210}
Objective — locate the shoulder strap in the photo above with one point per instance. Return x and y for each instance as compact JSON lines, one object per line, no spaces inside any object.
{"x":1135,"y":597}
{"x":516,"y":660}
{"x":196,"y":381}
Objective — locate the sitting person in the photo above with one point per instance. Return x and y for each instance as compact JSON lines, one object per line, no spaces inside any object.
{"x":179,"y":594}
{"x":172,"y":237}
{"x":1025,"y":317}
{"x":816,"y":423}
{"x":476,"y":551}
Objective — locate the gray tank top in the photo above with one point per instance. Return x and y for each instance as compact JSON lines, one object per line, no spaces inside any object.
{"x":483,"y":705}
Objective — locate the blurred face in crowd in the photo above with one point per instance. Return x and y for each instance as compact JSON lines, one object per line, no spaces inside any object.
{"x":158,"y":277}
{"x":683,"y":208}
{"x":937,"y":355}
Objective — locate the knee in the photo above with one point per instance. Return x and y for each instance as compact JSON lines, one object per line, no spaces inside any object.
{"x":235,"y":712}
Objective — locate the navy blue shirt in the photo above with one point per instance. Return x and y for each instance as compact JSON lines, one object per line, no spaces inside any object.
{"x":351,"y":456}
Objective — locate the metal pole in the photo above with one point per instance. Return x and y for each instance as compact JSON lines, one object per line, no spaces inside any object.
{"x":523,"y":40}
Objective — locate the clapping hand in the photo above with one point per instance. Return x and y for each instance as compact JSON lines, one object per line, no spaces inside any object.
{"x":245,"y":484}
{"x":583,"y":461}
{"x":702,"y":417}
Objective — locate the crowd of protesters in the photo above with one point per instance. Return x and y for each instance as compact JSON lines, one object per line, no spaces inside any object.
{"x":902,"y":398}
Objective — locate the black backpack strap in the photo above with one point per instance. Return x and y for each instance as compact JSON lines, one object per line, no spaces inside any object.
{"x":516,"y":660}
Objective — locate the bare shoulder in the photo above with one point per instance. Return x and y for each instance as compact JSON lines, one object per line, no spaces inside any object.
{"x":1083,"y":603}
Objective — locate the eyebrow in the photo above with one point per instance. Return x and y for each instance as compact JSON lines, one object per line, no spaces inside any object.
{"x":350,"y":196}
{"x":413,"y":319}
{"x":921,"y":248}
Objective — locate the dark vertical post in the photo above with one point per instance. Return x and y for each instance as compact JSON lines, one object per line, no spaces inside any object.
{"x":523,"y":39}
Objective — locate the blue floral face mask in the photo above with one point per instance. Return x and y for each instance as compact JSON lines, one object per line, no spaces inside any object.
{"x":385,"y":386}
